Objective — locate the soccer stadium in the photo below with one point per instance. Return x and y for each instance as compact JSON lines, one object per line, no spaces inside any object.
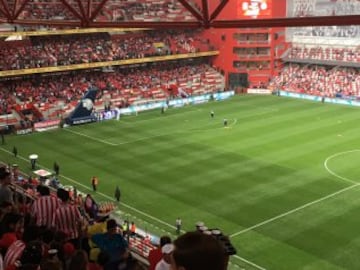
{"x":179,"y":134}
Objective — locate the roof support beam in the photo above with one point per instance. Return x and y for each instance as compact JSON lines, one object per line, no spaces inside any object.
{"x":218,"y":9}
{"x":6,"y":10}
{"x":2,"y":11}
{"x":17,"y":13}
{"x":84,"y":20}
{"x":155,"y":25}
{"x":193,"y":11}
{"x":288,"y":22}
{"x":88,"y":14}
{"x":66,"y":4}
{"x":14,"y":9}
{"x":205,"y":8}
{"x":97,"y":10}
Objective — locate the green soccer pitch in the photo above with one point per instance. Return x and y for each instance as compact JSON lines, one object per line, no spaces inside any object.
{"x":282,"y":179}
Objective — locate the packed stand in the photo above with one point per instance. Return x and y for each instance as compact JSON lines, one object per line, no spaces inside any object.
{"x":49,"y":229}
{"x":303,"y":8}
{"x":309,"y":8}
{"x":48,"y":51}
{"x":319,"y":80}
{"x":46,"y":10}
{"x":123,"y":86}
{"x":145,"y":10}
{"x":325,"y":53}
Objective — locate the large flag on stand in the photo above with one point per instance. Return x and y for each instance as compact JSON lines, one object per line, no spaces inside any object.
{"x":83,"y":112}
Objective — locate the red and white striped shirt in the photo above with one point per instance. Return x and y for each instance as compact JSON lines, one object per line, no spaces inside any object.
{"x":43,"y":209}
{"x":13,"y":253}
{"x":67,"y":219}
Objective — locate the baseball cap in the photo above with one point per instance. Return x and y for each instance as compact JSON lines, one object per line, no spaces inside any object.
{"x":167,"y":249}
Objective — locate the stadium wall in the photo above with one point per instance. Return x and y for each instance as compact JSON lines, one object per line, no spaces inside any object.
{"x":224,"y":40}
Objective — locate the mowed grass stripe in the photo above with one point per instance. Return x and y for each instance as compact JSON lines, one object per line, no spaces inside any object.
{"x":268,"y":163}
{"x":336,"y":225}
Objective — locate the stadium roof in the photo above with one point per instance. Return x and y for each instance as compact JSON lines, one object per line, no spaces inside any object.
{"x":148,"y":14}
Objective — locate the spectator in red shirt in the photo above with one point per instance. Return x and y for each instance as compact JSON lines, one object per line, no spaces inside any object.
{"x":155,"y":255}
{"x":44,"y":207}
{"x":15,"y":250}
{"x":67,"y":218}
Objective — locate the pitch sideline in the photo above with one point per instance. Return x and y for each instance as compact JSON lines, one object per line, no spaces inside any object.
{"x":127,"y":206}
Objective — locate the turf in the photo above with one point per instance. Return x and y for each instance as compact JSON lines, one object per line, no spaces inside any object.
{"x":282,"y":180}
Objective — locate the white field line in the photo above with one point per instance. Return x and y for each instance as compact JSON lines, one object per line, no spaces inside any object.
{"x":294,"y":210}
{"x":248,"y":262}
{"x":124,"y":204}
{"x":171,"y":133}
{"x":146,"y":138}
{"x":333,"y":173}
{"x":99,"y":193}
{"x":90,"y":137}
{"x":354,"y":184}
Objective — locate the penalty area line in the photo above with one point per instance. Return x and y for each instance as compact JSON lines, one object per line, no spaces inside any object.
{"x":294,"y":210}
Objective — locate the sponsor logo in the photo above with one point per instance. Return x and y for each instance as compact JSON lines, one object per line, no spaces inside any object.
{"x":24,"y":131}
{"x":46,"y":124}
{"x":87,"y":103}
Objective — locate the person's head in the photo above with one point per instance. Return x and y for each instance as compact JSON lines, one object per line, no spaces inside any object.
{"x":12,"y":222}
{"x":47,"y":235}
{"x":43,"y":190}
{"x":112,"y":226}
{"x":197,"y":251}
{"x":165,"y":240}
{"x":63,"y":195}
{"x":5,"y":176}
{"x":31,"y":233}
{"x":31,"y":256}
{"x":6,"y":207}
{"x":79,"y":261}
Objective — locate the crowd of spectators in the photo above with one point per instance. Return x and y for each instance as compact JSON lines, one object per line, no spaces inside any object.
{"x":48,"y":229}
{"x":310,"y":8}
{"x":123,"y":84}
{"x":113,"y":10}
{"x":335,"y":31}
{"x":145,"y":10}
{"x":46,"y":10}
{"x":306,"y":8}
{"x":44,"y":228}
{"x":319,"y":80}
{"x":346,"y":7}
{"x":46,"y":51}
{"x":303,"y":8}
{"x":327,"y":53}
